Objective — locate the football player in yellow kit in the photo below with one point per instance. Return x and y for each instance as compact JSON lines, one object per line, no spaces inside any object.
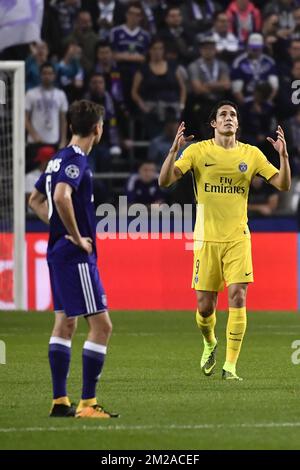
{"x":223,"y":168}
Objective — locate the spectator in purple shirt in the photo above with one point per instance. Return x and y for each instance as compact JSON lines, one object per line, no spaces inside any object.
{"x":130,"y":44}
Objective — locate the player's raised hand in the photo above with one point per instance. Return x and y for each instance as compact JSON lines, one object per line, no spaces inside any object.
{"x":85,"y":243}
{"x":279,"y":144}
{"x":180,"y":140}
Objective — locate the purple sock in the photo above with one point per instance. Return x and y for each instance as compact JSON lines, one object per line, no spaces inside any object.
{"x":93,"y":356}
{"x":59,"y":359}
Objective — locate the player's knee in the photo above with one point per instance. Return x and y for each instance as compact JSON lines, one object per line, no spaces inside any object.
{"x":101,"y":327}
{"x":107,"y":327}
{"x":71,"y":328}
{"x":206,"y":308}
{"x":65,"y":329}
{"x":238,"y":297}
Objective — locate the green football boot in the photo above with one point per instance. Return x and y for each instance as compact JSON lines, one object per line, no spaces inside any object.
{"x":208,"y":359}
{"x":226,"y":375}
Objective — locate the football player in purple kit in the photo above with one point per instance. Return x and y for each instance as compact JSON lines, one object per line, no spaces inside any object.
{"x":63,"y":198}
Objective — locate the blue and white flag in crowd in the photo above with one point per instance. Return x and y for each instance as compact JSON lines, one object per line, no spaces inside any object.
{"x":20,"y":22}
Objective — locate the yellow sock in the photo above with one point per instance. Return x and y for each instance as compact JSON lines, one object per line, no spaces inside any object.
{"x":61,"y":401}
{"x":207,"y":326}
{"x":84,"y":403}
{"x":236,"y":327}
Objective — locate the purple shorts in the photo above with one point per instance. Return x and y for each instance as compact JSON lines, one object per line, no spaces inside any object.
{"x":77,"y":289}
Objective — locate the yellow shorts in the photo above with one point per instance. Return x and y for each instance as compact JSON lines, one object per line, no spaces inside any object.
{"x":216,"y":263}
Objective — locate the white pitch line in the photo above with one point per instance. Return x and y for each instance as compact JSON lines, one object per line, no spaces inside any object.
{"x":150,"y":427}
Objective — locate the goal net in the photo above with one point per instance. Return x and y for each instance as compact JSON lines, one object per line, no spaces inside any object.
{"x":12,"y":195}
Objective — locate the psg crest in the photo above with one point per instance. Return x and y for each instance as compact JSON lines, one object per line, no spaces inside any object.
{"x":243,"y":167}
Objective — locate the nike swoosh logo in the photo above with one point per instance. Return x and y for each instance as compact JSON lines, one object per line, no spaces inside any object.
{"x":248,"y":274}
{"x":207,"y":371}
{"x":210,"y":164}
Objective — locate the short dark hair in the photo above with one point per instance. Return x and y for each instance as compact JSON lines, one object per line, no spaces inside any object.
{"x":146,"y":162}
{"x":214,"y":111}
{"x":83,"y":116}
{"x":103,"y":44}
{"x":96,"y":74}
{"x":134,"y":4}
{"x":46,"y":65}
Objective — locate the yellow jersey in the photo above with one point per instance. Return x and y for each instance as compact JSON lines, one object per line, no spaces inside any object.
{"x":222,"y":179}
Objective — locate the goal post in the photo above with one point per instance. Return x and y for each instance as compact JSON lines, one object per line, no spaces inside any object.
{"x":12,"y":124}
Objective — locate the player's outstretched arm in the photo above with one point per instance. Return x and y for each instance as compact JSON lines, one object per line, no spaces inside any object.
{"x":281,"y":180}
{"x":169,"y":173}
{"x":38,"y":203}
{"x":64,"y":205}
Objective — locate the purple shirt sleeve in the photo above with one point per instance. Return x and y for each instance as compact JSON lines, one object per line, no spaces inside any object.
{"x":71,"y":172}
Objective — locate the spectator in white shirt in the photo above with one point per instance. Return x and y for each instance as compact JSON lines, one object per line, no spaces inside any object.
{"x":46,"y":108}
{"x":227,"y":43}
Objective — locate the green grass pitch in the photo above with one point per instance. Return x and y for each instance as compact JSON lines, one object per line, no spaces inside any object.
{"x":152,"y":378}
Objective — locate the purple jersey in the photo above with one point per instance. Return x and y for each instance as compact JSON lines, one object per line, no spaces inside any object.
{"x":125,"y":40}
{"x":252,"y":72}
{"x":69,"y":165}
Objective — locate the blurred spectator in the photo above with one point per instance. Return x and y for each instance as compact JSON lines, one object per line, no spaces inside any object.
{"x":70,"y":74}
{"x":251,"y":68}
{"x":148,"y":6}
{"x":286,"y":108}
{"x":159,"y":8}
{"x":198,"y":15}
{"x":244,"y":19}
{"x":263,"y":198}
{"x":142,"y":187}
{"x":159,"y":146}
{"x":157,"y":89}
{"x":269,"y":32}
{"x":130,"y":44}
{"x":100,"y":157}
{"x":175,"y":34}
{"x":210,"y":82}
{"x":296,"y":29}
{"x":227,"y":43}
{"x":284,"y":10}
{"x":39,"y":55}
{"x":46,"y":108}
{"x":107,"y":66}
{"x":287,"y":56}
{"x":86,"y":38}
{"x":66,"y":12}
{"x":259,"y":113}
{"x":105,"y":14}
{"x":42,"y":157}
{"x":293,"y":52}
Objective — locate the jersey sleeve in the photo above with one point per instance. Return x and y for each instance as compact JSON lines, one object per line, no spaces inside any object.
{"x":263,"y":167}
{"x":185,"y":161}
{"x":72,"y":171}
{"x":40,"y":185}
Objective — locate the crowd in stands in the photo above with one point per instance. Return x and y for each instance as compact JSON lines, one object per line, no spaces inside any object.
{"x":152,"y":63}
